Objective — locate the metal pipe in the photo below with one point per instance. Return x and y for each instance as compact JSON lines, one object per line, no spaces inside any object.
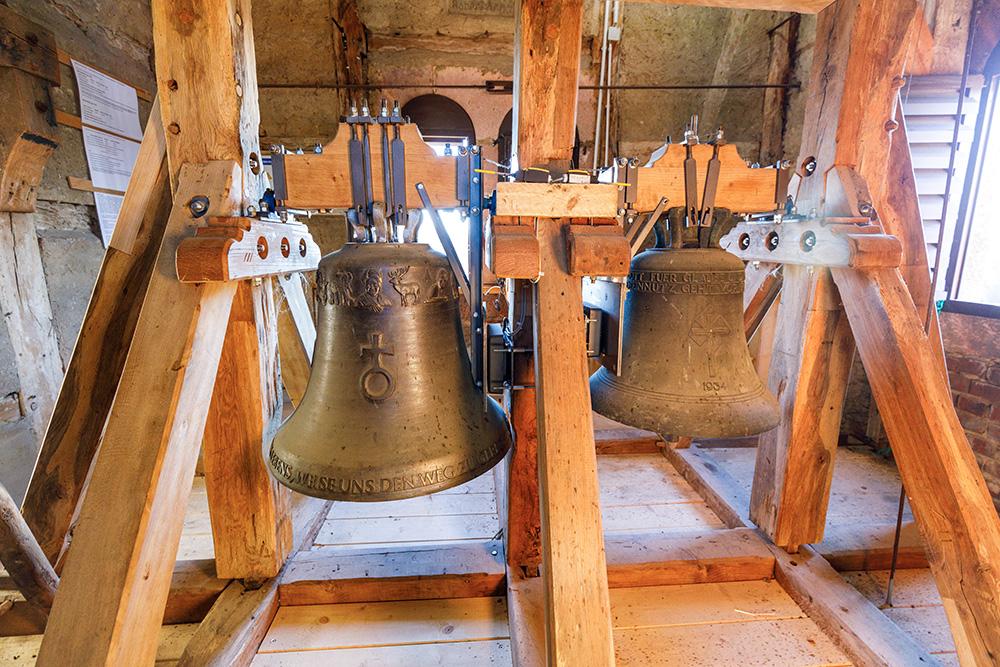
{"x":484,"y":87}
{"x":600,"y":79}
{"x":607,"y":103}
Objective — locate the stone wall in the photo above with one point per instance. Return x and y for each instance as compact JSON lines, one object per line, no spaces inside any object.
{"x":115,"y":35}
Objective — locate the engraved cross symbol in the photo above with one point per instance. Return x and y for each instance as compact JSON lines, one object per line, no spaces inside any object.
{"x":376,"y":383}
{"x":711,"y":333}
{"x":375,"y":349}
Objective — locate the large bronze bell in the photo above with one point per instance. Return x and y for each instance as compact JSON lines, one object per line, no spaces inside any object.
{"x":391,"y":410}
{"x":685,"y":369}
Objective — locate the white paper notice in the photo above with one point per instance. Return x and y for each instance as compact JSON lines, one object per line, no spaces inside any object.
{"x":107,"y":103}
{"x":110,"y":158}
{"x":108,"y":207}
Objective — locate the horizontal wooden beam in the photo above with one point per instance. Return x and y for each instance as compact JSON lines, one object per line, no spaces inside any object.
{"x":240,"y":248}
{"x":813,"y":242}
{"x":652,"y":559}
{"x":323,"y":179}
{"x":741,"y":188}
{"x":557,"y":200}
{"x":799,"y":6}
{"x":327,"y":576}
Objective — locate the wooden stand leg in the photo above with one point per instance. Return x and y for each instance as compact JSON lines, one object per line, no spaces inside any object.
{"x":251,"y":527}
{"x":946,"y":488}
{"x":93,"y":372}
{"x":579,"y":608}
{"x":524,"y":527}
{"x":114,"y":587}
{"x":808,"y":374}
{"x":296,"y":336}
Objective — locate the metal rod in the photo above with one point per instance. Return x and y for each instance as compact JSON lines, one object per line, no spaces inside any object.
{"x":895,"y":547}
{"x":951,"y":162}
{"x":449,"y":248}
{"x":484,"y":87}
{"x":477,"y":319}
{"x":638,"y":232}
{"x":600,"y":91}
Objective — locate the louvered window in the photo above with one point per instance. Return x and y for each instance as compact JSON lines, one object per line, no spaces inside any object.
{"x":930,"y":105}
{"x":973,"y":280}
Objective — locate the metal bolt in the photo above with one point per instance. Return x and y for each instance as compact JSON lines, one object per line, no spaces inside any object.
{"x":251,"y":211}
{"x":621,"y":211}
{"x":809,"y":166}
{"x":808,"y":241}
{"x":318,"y":148}
{"x":865,"y":209}
{"x":172,"y":84}
{"x":174,"y":128}
{"x":198,"y":206}
{"x":475,"y":210}
{"x":891,"y":125}
{"x":253,"y":161}
{"x":475,"y":179}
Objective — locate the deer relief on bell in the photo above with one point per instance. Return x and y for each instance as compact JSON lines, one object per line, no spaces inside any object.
{"x":391,"y":410}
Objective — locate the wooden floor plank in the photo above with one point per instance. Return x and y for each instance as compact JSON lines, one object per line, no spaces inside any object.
{"x":789,"y":643}
{"x":23,"y":651}
{"x":927,"y":625}
{"x":436,"y":504}
{"x":318,"y":627}
{"x":911,"y":588}
{"x":671,"y":517}
{"x":701,"y":604}
{"x":863,"y":546}
{"x":335,"y":576}
{"x":395,"y":530}
{"x":641,"y":478}
{"x":452,"y":654}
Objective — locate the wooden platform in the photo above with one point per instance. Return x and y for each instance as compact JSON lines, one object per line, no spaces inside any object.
{"x":423,"y":581}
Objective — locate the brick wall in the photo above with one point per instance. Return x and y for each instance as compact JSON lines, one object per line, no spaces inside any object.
{"x":972,"y":346}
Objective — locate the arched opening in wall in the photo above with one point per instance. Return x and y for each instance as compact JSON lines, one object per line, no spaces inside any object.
{"x":445,"y":126}
{"x":442,"y":122}
{"x":505,"y":142}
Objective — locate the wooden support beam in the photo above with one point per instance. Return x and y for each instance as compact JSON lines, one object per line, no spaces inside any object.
{"x":92,"y":374}
{"x":578,"y":608}
{"x":236,"y":624}
{"x":780,"y":68}
{"x":947,"y":492}
{"x":866,"y":634}
{"x":24,"y":297}
{"x":117,"y":575}
{"x":808,"y":374}
{"x":296,"y":335}
{"x":405,"y":573}
{"x":23,"y":558}
{"x":654,"y":559}
{"x":860,"y":52}
{"x":251,"y":529}
{"x":547,"y":200}
{"x":209,"y":106}
{"x":27,"y":138}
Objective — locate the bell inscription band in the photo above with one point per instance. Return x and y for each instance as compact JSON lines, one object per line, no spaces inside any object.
{"x":391,"y":410}
{"x":685,"y":367}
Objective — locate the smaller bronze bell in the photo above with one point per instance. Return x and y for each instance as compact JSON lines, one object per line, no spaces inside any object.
{"x":685,"y":369}
{"x":391,"y":410}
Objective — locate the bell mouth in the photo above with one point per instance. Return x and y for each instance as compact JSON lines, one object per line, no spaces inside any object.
{"x":724,"y":416}
{"x":402,"y":479}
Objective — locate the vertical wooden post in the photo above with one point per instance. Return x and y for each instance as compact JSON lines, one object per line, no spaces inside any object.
{"x":578,"y":610}
{"x":861,"y":48}
{"x":251,"y":528}
{"x":209,"y":102}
